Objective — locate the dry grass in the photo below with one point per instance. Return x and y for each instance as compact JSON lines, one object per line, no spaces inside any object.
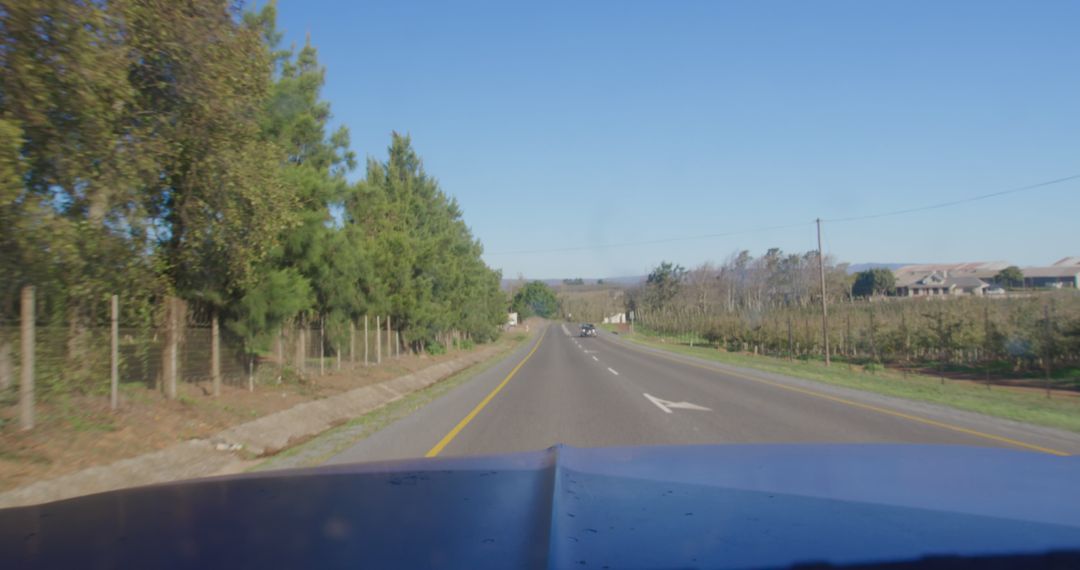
{"x":76,"y":432}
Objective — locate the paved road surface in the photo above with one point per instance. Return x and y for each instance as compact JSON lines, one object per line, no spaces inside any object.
{"x":605,"y":391}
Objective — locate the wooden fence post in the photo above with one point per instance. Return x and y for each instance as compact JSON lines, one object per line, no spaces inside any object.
{"x":114,"y":356}
{"x":352,"y":341}
{"x":322,"y":345}
{"x":791,"y":344}
{"x":299,"y":356}
{"x":215,"y":353}
{"x":365,"y":341}
{"x":26,"y":364}
{"x":170,"y":352}
{"x":280,"y":353}
{"x":7,"y":368}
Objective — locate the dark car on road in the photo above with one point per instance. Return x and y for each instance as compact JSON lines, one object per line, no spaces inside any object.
{"x":588,"y":329}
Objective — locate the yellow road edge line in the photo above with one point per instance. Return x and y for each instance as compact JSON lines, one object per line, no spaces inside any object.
{"x":468,"y":418}
{"x":878,"y":409}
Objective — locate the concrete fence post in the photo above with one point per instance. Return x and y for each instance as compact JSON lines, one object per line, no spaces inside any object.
{"x":397,"y":344}
{"x":114,"y":354}
{"x":26,"y":364}
{"x":378,"y":341}
{"x":322,"y":345}
{"x":352,"y":341}
{"x":215,"y":353}
{"x":366,"y":345}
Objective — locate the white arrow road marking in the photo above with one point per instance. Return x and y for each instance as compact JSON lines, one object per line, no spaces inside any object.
{"x":596,"y":359}
{"x":667,"y":406}
{"x":612,"y":370}
{"x":566,"y":332}
{"x":590,"y":352}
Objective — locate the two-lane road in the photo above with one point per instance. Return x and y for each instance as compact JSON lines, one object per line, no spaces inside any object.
{"x":604,"y":391}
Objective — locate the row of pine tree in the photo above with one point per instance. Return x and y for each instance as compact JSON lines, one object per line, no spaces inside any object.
{"x":155,"y":148}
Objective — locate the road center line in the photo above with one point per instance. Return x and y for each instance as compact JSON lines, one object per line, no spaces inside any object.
{"x":612,"y":370}
{"x":465,"y":421}
{"x":596,"y":359}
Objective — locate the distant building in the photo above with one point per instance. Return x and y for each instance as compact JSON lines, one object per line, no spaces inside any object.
{"x":969,"y":278}
{"x":616,"y":319}
{"x":978,"y":278}
{"x":1056,"y":276}
{"x":985,"y":270}
{"x":943,"y":283}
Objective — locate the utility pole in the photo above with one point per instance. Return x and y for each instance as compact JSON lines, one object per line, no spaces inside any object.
{"x":824,"y":303}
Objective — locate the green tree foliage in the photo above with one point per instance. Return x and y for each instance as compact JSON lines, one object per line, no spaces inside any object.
{"x":1011,"y":276}
{"x":74,"y":156}
{"x":314,"y":254}
{"x":279,"y":295}
{"x":535,"y":298}
{"x":663,"y":284}
{"x":877,"y":281}
{"x":150,"y":147}
{"x":431,"y":277}
{"x":221,"y":205}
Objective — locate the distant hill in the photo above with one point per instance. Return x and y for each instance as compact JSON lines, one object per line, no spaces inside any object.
{"x":622,"y":281}
{"x":635,"y":280}
{"x":857,"y":267}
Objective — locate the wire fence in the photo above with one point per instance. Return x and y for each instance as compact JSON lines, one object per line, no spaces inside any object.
{"x":99,"y":358}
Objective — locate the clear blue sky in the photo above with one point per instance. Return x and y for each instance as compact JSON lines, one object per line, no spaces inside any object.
{"x":567,"y":124}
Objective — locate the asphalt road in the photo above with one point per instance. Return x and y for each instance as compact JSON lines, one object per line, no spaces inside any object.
{"x":605,"y":391}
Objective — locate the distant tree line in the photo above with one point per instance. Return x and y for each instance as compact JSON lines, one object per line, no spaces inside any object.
{"x":742,"y":283}
{"x":535,"y":299}
{"x":768,"y":304}
{"x":154,"y":148}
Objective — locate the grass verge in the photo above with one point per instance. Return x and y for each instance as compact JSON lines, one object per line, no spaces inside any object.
{"x":322,"y":447}
{"x":1028,"y":407}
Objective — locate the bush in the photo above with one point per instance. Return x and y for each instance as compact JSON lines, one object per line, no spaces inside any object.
{"x":435,"y":348}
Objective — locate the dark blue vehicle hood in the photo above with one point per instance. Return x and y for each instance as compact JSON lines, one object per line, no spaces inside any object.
{"x":738,"y":506}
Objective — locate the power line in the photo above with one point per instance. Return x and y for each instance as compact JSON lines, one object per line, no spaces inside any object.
{"x":955,"y":202}
{"x":651,"y":242}
{"x":796,"y":225}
